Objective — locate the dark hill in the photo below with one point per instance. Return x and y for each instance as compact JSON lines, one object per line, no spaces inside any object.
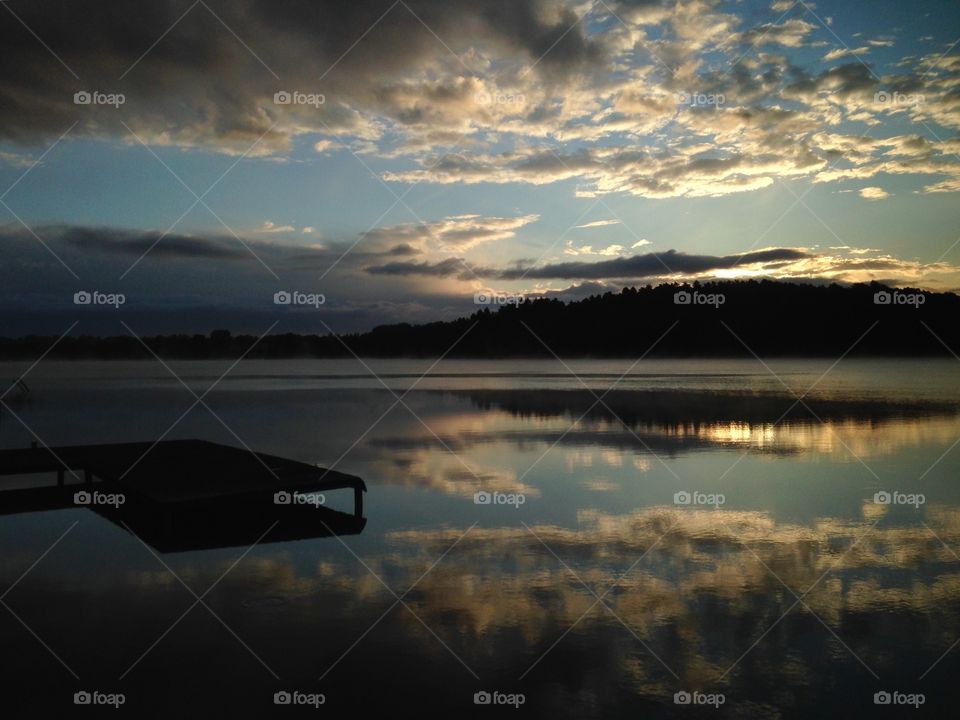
{"x":771,"y":318}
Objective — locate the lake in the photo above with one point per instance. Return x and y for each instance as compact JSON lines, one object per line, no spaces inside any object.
{"x":686,"y":539}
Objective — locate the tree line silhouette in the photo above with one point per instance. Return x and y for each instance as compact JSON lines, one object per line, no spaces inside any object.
{"x":715,"y":319}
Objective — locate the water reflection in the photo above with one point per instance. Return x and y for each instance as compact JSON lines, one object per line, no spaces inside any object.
{"x":461,"y":452}
{"x":692,"y":597}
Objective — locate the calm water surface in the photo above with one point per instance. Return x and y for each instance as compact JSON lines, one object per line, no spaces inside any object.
{"x":595,"y":592}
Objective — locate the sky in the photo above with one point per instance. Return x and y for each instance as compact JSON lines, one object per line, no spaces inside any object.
{"x":399,"y":159}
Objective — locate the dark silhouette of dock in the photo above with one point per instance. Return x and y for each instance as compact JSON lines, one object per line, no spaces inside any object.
{"x":186,"y":494}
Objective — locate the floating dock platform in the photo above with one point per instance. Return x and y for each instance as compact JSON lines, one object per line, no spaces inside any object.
{"x":186,"y":494}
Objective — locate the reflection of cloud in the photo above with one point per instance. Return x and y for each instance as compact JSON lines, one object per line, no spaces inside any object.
{"x":701,"y":595}
{"x":461,"y":476}
{"x":694,"y":555}
{"x":445,"y":463}
{"x":600,"y":485}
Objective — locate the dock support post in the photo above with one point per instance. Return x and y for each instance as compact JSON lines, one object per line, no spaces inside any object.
{"x":60,"y":477}
{"x":87,"y":476}
{"x":357,"y":501}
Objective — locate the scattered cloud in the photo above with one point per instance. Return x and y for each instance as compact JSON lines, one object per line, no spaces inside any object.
{"x":526,"y":78}
{"x":271,"y":227}
{"x":873,"y":193}
{"x":456,"y":232}
{"x":15,"y":159}
{"x":845,"y":52}
{"x":598,"y":223}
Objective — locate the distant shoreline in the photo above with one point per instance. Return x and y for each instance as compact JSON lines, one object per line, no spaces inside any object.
{"x":715,"y":320}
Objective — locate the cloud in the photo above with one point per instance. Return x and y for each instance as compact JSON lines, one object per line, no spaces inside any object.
{"x":790,"y":33}
{"x":135,"y":243}
{"x":840,"y":53}
{"x":671,"y":262}
{"x":874,"y":193}
{"x":840,"y":264}
{"x":210,"y":81}
{"x":599,"y":223}
{"x":455,"y":232}
{"x":525,"y":91}
{"x":444,"y":268}
{"x":271,"y":227}
{"x":15,"y":159}
{"x":651,"y":265}
{"x":582,"y":250}
{"x":208,"y":281}
{"x":609,"y":251}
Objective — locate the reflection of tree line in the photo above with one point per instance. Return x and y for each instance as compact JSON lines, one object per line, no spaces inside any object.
{"x":673,"y":422}
{"x":665,"y":422}
{"x":772,"y":318}
{"x":678,"y":407}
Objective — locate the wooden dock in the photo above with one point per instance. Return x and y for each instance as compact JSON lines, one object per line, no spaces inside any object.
{"x":186,"y":494}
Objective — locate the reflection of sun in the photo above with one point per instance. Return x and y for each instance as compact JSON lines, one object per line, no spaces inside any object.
{"x":863,"y":438}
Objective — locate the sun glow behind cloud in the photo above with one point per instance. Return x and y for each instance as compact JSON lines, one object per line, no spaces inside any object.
{"x":499,"y":120}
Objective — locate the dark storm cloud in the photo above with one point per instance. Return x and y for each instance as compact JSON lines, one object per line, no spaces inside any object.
{"x":135,"y":243}
{"x":638,"y":266}
{"x":199,"y":84}
{"x":444,"y":268}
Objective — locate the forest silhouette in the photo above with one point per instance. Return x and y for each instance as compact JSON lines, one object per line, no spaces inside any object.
{"x":714,"y":319}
